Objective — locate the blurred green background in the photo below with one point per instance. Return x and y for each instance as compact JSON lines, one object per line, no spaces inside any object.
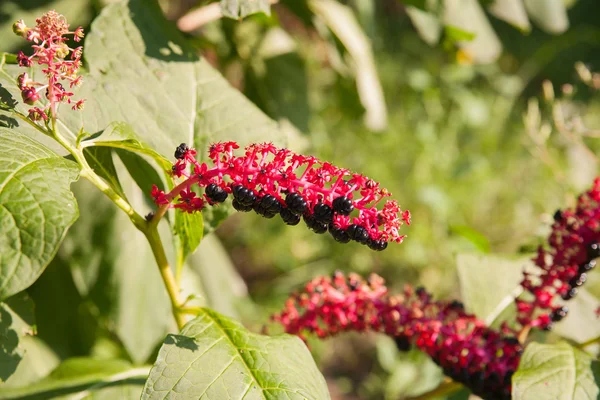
{"x":480,"y":119}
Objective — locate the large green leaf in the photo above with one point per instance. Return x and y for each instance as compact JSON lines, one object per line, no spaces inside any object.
{"x":550,"y":15}
{"x":556,"y":372}
{"x":242,"y":8}
{"x":489,"y":284}
{"x":36,"y":208}
{"x":80,"y":378}
{"x":215,"y":357}
{"x":16,"y":320}
{"x":579,"y":324}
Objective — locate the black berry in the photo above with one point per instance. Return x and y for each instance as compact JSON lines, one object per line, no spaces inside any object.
{"x":269,"y":205}
{"x":339,"y":234}
{"x":587,"y":267}
{"x":289,"y":217}
{"x":181,"y":150}
{"x":215,"y":193}
{"x":593,"y":251}
{"x":296,"y":203}
{"x":243,"y":195}
{"x":456,"y":305}
{"x":342,"y":205}
{"x":559,"y":314}
{"x":402,"y":343}
{"x":377,"y":245}
{"x":314,"y":225}
{"x":578,"y":280}
{"x":570,"y":294}
{"x":323,"y":213}
{"x":241,"y":207}
{"x":558,"y":216}
{"x":358,"y":233}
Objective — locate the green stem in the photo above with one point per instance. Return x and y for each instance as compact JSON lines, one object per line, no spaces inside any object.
{"x":445,"y":388}
{"x":589,"y":342}
{"x":165,"y":272}
{"x":150,"y":230}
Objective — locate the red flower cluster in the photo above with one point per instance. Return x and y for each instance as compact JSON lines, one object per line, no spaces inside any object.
{"x":468,"y":351}
{"x":574,"y":243}
{"x":61,"y":63}
{"x":274,"y":181}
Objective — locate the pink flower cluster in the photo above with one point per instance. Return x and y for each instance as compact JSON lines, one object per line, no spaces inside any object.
{"x":272,"y":181}
{"x":468,"y":351}
{"x":60,"y":64}
{"x":574,"y":244}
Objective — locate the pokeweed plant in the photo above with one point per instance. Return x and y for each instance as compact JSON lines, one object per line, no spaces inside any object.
{"x":214,"y":356}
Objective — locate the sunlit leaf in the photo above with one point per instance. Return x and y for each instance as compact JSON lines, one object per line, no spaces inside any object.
{"x":215,"y":357}
{"x":556,"y":372}
{"x":550,"y":15}
{"x":80,"y":378}
{"x":37,"y":208}
{"x":242,"y":8}
{"x":489,"y":284}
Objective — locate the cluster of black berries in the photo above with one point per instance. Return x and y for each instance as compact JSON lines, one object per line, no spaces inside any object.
{"x":296,"y":208}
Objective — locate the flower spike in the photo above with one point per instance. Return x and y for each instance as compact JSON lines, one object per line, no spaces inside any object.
{"x":464,"y":347}
{"x":574,"y":245}
{"x":59,"y":63}
{"x":273,"y":181}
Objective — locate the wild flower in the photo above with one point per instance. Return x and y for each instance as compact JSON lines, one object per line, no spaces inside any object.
{"x":60,"y":64}
{"x":271,"y":181}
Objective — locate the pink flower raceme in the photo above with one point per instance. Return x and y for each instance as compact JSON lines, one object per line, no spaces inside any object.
{"x":274,"y":181}
{"x":564,"y":265}
{"x":60,"y":63}
{"x":467,"y":350}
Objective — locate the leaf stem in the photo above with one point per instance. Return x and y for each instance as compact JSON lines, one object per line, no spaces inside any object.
{"x":589,"y":342}
{"x":447,"y":387}
{"x":166,"y":273}
{"x":149,"y":229}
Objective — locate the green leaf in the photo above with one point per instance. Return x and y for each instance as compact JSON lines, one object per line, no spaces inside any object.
{"x":36,"y":208}
{"x":239,"y":9}
{"x":342,"y":22}
{"x":468,"y":16}
{"x":81,"y":377}
{"x":428,"y":25}
{"x":556,"y":372}
{"x":143,"y":173}
{"x":455,"y":34}
{"x":489,"y":284}
{"x":16,"y":321}
{"x":579,"y":324}
{"x":215,"y":357}
{"x":550,"y":15}
{"x":101,"y":161}
{"x":189,"y":229}
{"x":511,"y":11}
{"x":221,"y":284}
{"x":122,"y":136}
{"x":38,"y":360}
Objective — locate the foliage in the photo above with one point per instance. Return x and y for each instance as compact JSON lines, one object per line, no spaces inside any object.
{"x":447,"y":127}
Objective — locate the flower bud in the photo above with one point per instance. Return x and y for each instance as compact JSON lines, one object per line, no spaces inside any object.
{"x":20,"y":29}
{"x":62,"y":51}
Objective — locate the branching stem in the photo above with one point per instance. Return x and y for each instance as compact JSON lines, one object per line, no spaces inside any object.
{"x":149,"y":229}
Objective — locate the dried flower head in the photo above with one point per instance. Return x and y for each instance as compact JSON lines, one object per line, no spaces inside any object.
{"x":573,"y":246}
{"x":468,"y":351}
{"x":274,"y":181}
{"x":60,"y":63}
